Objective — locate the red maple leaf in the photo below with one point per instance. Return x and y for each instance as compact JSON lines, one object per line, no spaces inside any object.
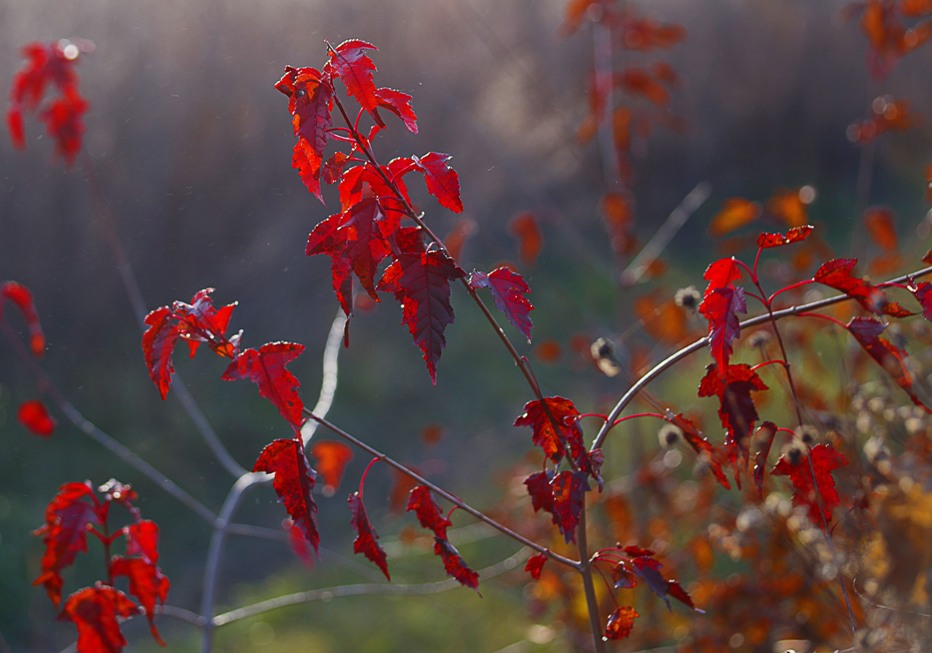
{"x":421,"y":284}
{"x":427,"y":512}
{"x":350,"y":62}
{"x":266,"y":368}
{"x":736,"y":408}
{"x":196,"y":323}
{"x":809,"y":492}
{"x":200,"y":322}
{"x":796,"y":234}
{"x":701,"y":445}
{"x":310,"y":102}
{"x":645,"y":566}
{"x":68,"y":516}
{"x":158,"y":346}
{"x":535,"y":565}
{"x":366,"y":541}
{"x":866,"y":331}
{"x":50,"y":65}
{"x":400,"y":104}
{"x":720,"y":306}
{"x":353,"y":240}
{"x":569,"y":492}
{"x":923,"y":293}
{"x":35,"y":417}
{"x":332,"y":458}
{"x":508,"y":291}
{"x":530,"y":239}
{"x":538,"y":486}
{"x":22,"y":298}
{"x":142,"y":539}
{"x":293,"y":483}
{"x":442,"y":181}
{"x":146,"y":583}
{"x":454,"y":564}
{"x":620,"y":623}
{"x":837,"y":274}
{"x":555,"y":427}
{"x":299,"y":545}
{"x":96,"y":612}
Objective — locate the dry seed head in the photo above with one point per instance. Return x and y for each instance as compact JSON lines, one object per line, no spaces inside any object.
{"x":668,"y":435}
{"x":688,"y":298}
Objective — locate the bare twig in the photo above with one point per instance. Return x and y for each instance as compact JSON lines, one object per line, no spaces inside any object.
{"x":701,"y":343}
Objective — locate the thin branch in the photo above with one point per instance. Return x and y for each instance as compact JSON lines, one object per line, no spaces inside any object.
{"x":331,"y":368}
{"x":215,"y":551}
{"x":592,"y":602}
{"x":662,"y":237}
{"x":456,"y":501}
{"x":107,"y":225}
{"x":101,"y":437}
{"x":419,"y":589}
{"x":701,"y":343}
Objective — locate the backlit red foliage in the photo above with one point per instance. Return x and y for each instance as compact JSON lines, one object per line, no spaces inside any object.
{"x":50,"y":65}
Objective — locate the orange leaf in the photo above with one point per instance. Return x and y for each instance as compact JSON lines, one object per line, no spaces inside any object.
{"x":879,"y":223}
{"x":332,"y":458}
{"x":735,"y":213}
{"x":790,"y":205}
{"x":530,"y":240}
{"x":665,"y":322}
{"x":640,"y":82}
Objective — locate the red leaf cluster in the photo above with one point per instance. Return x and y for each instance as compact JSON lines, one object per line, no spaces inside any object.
{"x":555,"y":425}
{"x":892,"y":30}
{"x":200,"y":323}
{"x":620,"y":623}
{"x":629,"y":566}
{"x":195,"y":323}
{"x":429,"y":515}
{"x":50,"y":65}
{"x":374,"y":198}
{"x":22,"y":299}
{"x":73,"y":514}
{"x":794,"y":235}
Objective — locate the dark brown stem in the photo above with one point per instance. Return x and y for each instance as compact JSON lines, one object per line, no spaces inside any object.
{"x":585,"y":570}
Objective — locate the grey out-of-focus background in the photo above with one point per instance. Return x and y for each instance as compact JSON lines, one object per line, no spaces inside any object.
{"x":190,"y":145}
